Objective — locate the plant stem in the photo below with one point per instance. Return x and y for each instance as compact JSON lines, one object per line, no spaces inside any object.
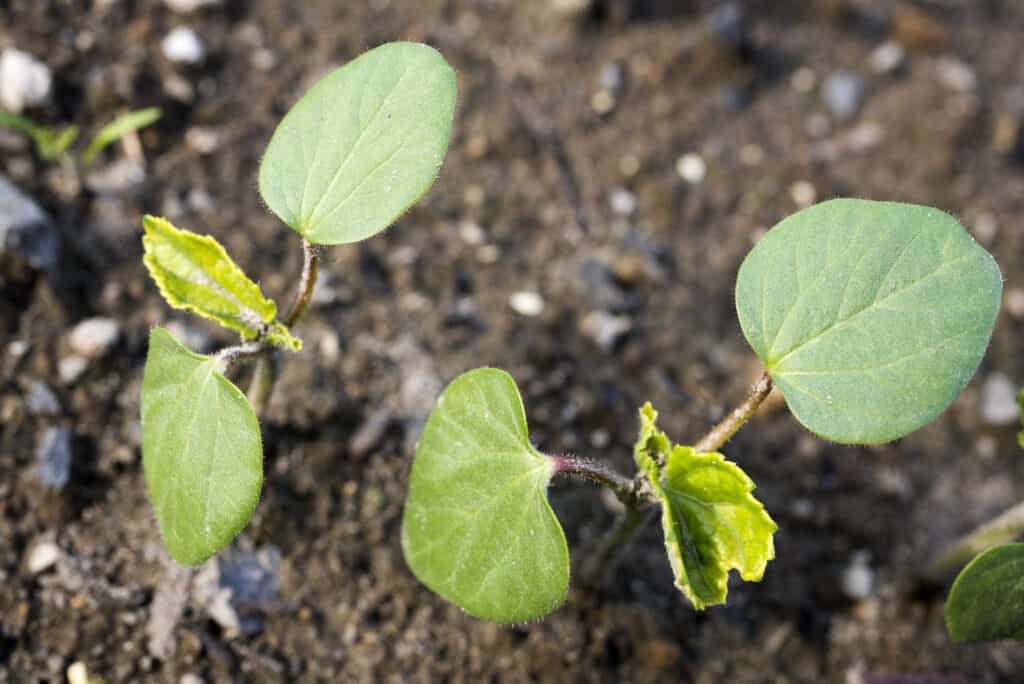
{"x":630,"y":492}
{"x":307,"y":282}
{"x":597,"y":568}
{"x":721,"y":433}
{"x":1003,"y":528}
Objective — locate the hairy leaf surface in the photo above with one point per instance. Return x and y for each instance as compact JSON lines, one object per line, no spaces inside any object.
{"x":362,"y":146}
{"x":987,"y":598}
{"x":712,"y":522}
{"x":870,"y":316}
{"x":194,"y":273}
{"x":201,"y":450}
{"x":477,"y":527}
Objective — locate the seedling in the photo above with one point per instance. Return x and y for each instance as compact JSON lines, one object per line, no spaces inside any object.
{"x":52,"y":143}
{"x":869,"y":317}
{"x":354,"y":153}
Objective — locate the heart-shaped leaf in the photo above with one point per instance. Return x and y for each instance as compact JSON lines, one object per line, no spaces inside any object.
{"x":987,"y":598}
{"x":362,"y":146}
{"x":195,"y":273}
{"x":201,"y":450}
{"x":870,"y":316}
{"x":712,"y":522}
{"x":477,"y":527}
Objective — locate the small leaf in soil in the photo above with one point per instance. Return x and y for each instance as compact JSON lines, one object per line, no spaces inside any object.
{"x":712,"y":522}
{"x":201,"y":450}
{"x":194,"y":273}
{"x":118,"y":128}
{"x":362,"y":146}
{"x":987,"y":598}
{"x":477,"y":527}
{"x":870,"y":316}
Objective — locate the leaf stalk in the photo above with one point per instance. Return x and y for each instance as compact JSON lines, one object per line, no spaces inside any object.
{"x":721,"y":433}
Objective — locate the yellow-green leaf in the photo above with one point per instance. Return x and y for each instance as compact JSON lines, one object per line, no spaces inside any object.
{"x":194,"y":273}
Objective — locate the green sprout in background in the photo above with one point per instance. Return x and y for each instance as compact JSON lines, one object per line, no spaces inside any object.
{"x":354,"y":153}
{"x":53,"y":143}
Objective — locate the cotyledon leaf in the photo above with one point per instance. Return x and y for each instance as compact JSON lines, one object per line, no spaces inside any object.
{"x":194,"y":273}
{"x":712,"y":522}
{"x":362,"y":146}
{"x":201,"y":450}
{"x":987,"y":598}
{"x":477,"y":527}
{"x":870,"y":316}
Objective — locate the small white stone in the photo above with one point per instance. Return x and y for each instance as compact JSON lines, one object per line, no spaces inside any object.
{"x":184,"y":46}
{"x":471,"y":233}
{"x":622,"y":201}
{"x":887,"y":57}
{"x":986,"y":227}
{"x":24,"y":81}
{"x":42,"y":556}
{"x":999,"y":401}
{"x":526,"y":303}
{"x":70,"y":368}
{"x":691,"y":168}
{"x":858,"y":580}
{"x":956,"y":75}
{"x":1013,"y":301}
{"x":94,"y":337}
{"x":803,"y":193}
{"x":803,"y":80}
{"x":186,"y":6}
{"x":78,"y":673}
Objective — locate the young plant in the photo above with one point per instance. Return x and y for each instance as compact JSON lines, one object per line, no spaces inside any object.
{"x":869,"y":317}
{"x":355,"y":152}
{"x":52,"y":143}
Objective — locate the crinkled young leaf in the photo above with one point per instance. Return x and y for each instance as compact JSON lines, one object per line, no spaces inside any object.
{"x":870,"y":316}
{"x":362,"y":146}
{"x":194,"y":273}
{"x":201,"y":450}
{"x":477,"y":527}
{"x":987,"y":598}
{"x":712,"y":522}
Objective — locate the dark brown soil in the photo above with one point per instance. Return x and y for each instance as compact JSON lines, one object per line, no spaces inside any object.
{"x":413,"y":307}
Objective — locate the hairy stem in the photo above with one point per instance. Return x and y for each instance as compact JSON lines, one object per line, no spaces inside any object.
{"x":721,"y":433}
{"x":631,"y":492}
{"x":1001,"y":529}
{"x":304,"y":295}
{"x":598,"y":568}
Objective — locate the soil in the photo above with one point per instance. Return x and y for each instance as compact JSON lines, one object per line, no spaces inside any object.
{"x":607,"y":98}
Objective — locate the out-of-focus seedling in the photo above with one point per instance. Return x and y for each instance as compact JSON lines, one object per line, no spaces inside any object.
{"x":354,"y":153}
{"x":53,"y":143}
{"x":869,"y":317}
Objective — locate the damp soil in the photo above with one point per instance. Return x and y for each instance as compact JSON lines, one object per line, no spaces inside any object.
{"x":563,"y":179}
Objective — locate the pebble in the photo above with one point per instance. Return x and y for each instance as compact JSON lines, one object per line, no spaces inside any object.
{"x":956,"y":75}
{"x":843,"y":93}
{"x":571,"y":8}
{"x":612,"y":77}
{"x":42,"y":556}
{"x":858,"y":581}
{"x":727,"y":24}
{"x":605,"y":329}
{"x":191,"y":678}
{"x":93,"y":337}
{"x":803,"y":80}
{"x":888,"y":58}
{"x":1013,"y":301}
{"x":191,"y":336}
{"x":622,"y":201}
{"x":25,"y":230}
{"x":986,"y":227}
{"x":803,"y":193}
{"x":70,"y":368}
{"x":118,"y":176}
{"x":24,"y":81}
{"x":691,"y":168}
{"x":370,"y":433}
{"x":183,"y":46}
{"x":41,"y":401}
{"x":239,"y":587}
{"x":186,"y":6}
{"x":53,"y":457}
{"x":999,"y":400}
{"x":526,"y":303}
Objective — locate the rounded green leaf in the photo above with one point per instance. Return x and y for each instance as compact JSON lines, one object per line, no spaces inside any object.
{"x":870,"y":316}
{"x":201,"y":450}
{"x":987,"y":598}
{"x":477,"y":527}
{"x":362,"y":146}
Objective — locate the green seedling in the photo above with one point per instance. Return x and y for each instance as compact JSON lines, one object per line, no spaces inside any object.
{"x":869,"y":317}
{"x":53,"y":143}
{"x":354,"y":153}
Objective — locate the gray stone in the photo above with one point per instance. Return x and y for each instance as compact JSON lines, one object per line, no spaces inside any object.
{"x":94,"y":337}
{"x":53,"y":457}
{"x":843,"y":93}
{"x":41,"y":401}
{"x":370,"y":433}
{"x":70,"y":368}
{"x":622,"y":201}
{"x":605,"y":329}
{"x":25,"y":230}
{"x":24,"y":80}
{"x":858,"y":581}
{"x":42,"y":556}
{"x":239,"y":587}
{"x":999,"y":400}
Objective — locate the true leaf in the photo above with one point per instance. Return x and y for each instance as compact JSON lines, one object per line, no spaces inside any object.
{"x":117,"y":129}
{"x":712,"y":522}
{"x":870,"y":316}
{"x":194,"y":273}
{"x":201,"y":450}
{"x":362,"y":146}
{"x":477,"y":527}
{"x":987,"y":598}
